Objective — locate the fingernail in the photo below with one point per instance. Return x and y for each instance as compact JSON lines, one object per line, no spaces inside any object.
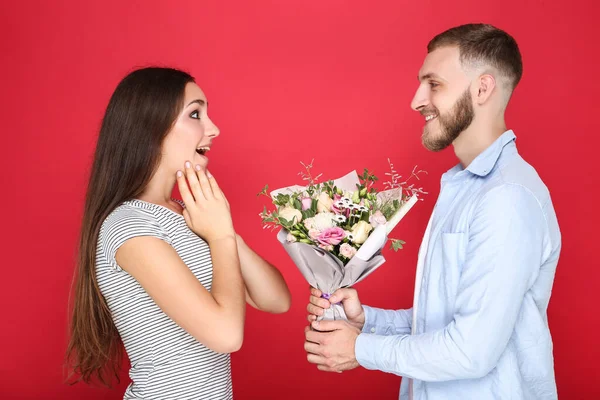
{"x":208,"y":174}
{"x":315,"y":324}
{"x":188,"y":164}
{"x":179,"y":174}
{"x":197,"y":167}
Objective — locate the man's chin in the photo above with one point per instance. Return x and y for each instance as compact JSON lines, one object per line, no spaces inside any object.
{"x":433,"y":144}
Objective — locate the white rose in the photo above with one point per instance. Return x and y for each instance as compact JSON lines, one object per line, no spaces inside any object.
{"x":308,"y":223}
{"x":323,"y":221}
{"x":347,"y":251}
{"x":360,"y":232}
{"x":324,"y":203}
{"x":289,"y":213}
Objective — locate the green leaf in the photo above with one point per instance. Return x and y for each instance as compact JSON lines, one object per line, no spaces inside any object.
{"x":264,"y":191}
{"x":308,"y":213}
{"x":397,"y":244}
{"x":297,"y":204}
{"x":281,"y":199}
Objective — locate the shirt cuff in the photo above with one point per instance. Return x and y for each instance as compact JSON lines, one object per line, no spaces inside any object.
{"x":370,"y":325}
{"x":366,"y":349}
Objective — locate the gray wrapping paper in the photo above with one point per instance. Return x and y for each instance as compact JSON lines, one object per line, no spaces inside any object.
{"x":325,"y":272}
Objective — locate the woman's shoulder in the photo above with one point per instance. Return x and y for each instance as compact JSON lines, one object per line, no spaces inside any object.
{"x":130,"y":219}
{"x":141,"y":218}
{"x":129,"y":213}
{"x":134,"y":218}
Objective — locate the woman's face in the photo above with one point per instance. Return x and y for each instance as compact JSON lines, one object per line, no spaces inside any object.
{"x":192,"y":134}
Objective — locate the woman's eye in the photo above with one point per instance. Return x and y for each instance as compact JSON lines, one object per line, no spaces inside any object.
{"x":195,"y":114}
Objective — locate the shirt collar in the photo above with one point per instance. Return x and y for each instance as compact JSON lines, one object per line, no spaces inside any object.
{"x":485,"y":162}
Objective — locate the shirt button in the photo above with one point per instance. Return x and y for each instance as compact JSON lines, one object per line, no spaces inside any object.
{"x":372,"y":330}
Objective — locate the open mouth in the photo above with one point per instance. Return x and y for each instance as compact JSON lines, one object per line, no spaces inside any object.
{"x":202,"y":150}
{"x":430,"y":117}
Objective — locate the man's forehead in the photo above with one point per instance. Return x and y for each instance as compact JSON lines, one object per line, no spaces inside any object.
{"x":442,"y":62}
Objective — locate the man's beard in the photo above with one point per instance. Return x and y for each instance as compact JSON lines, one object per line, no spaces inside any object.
{"x":451,"y":124}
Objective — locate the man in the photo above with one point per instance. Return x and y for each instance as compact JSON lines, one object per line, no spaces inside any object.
{"x":478,"y":327}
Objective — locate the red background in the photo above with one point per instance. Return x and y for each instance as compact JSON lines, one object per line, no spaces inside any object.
{"x":287,"y":81}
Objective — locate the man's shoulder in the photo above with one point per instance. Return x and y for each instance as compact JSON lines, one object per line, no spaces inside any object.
{"x":514,"y":173}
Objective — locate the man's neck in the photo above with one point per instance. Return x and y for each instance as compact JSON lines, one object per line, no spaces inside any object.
{"x":476,"y":139}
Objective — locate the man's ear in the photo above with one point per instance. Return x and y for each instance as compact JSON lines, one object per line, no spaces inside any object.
{"x":486,"y":84}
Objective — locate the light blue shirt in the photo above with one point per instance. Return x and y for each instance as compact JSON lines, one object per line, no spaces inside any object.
{"x":480,"y":330}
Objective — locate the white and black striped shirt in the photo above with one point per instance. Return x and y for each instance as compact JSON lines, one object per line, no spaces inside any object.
{"x":166,"y":362}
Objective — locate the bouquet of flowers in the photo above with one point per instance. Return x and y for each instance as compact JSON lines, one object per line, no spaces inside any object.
{"x":335,"y":231}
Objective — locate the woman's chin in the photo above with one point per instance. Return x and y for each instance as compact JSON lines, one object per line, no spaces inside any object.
{"x":200,"y":160}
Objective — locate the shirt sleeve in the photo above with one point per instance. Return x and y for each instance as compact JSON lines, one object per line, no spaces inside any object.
{"x":387,"y":322}
{"x":123,"y":224}
{"x":507,"y":243}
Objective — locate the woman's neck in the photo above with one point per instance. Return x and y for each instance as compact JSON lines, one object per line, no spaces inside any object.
{"x":159,"y":191}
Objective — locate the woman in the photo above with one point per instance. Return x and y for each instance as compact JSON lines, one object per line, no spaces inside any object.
{"x":169,"y":279}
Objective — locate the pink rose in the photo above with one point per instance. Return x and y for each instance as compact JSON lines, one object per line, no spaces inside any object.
{"x":331,"y":236}
{"x":377,"y":219}
{"x":314,"y":233}
{"x":334,"y":208}
{"x":306,"y":203}
{"x":347,"y":251}
{"x":326,"y":247}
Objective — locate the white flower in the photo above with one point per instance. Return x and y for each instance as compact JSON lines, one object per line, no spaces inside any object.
{"x":360,"y":232}
{"x":308,"y":223}
{"x":340,"y":204}
{"x":377,"y":219}
{"x":324,"y":203}
{"x":323,"y":221}
{"x":289,"y":213}
{"x":291,"y":238}
{"x":347,"y":251}
{"x":340,"y":219}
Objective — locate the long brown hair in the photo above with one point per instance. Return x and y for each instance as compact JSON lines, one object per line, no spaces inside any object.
{"x":139,"y":115}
